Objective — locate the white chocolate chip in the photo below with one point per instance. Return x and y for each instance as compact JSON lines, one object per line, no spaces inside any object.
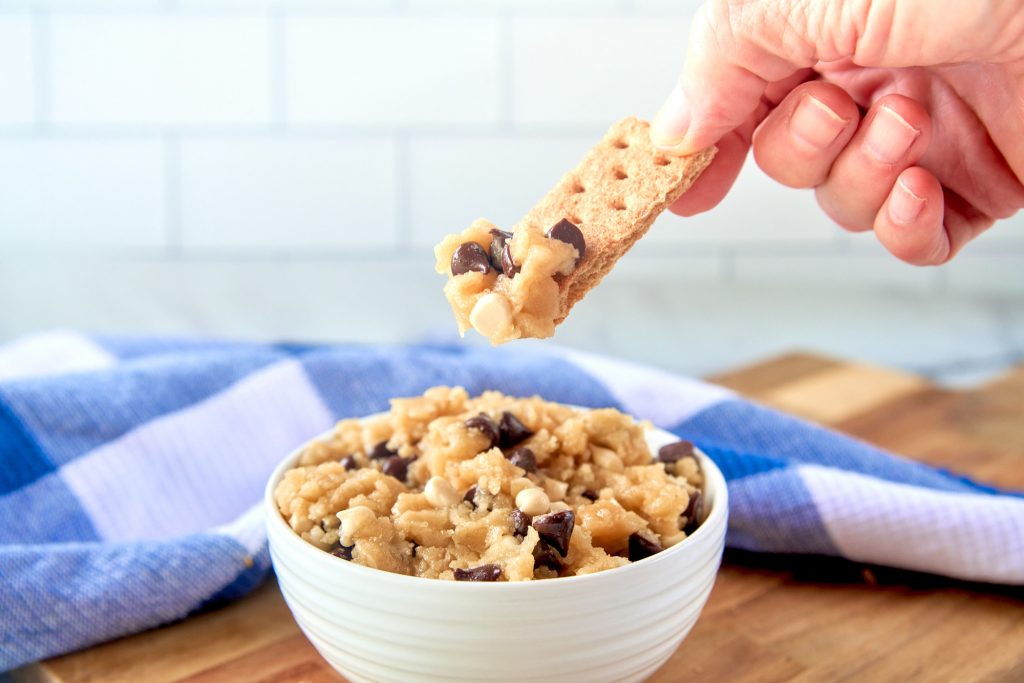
{"x":533,"y":501}
{"x":317,"y":533}
{"x":491,"y":315}
{"x":555,"y":489}
{"x":353,"y":521}
{"x":608,"y":459}
{"x":559,"y":506}
{"x":440,"y":493}
{"x":519,"y":484}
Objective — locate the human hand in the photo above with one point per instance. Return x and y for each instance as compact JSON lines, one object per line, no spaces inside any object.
{"x":906,"y":116}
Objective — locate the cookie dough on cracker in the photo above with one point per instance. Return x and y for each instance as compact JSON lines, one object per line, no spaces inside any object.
{"x":511,"y":285}
{"x":491,"y":488}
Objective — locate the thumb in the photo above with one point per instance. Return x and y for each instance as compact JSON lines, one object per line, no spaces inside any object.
{"x":738,"y":47}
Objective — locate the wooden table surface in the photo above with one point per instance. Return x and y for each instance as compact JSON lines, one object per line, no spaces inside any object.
{"x":769,"y":618}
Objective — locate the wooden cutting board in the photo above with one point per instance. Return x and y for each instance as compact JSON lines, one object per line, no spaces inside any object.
{"x":770,"y":618}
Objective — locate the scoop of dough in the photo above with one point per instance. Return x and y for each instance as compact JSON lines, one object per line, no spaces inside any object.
{"x":536,"y":276}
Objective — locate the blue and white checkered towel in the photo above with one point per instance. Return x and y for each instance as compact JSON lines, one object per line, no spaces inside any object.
{"x":129,"y":470}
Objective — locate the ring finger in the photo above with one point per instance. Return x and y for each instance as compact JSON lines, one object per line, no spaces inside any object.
{"x":893,"y":136}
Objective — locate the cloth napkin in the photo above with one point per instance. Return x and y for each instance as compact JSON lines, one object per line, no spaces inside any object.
{"x":131,"y":469}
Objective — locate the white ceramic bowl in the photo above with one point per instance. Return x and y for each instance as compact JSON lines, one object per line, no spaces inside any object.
{"x":616,"y":625}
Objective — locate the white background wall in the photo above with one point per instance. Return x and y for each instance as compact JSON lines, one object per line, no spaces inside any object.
{"x":281,"y":169}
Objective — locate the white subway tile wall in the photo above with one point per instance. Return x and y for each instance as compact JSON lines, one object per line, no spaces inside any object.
{"x":865,"y":265}
{"x":390,"y":70}
{"x":456,"y":181}
{"x":756,"y":213}
{"x":17,"y":87}
{"x":165,"y":133}
{"x":988,"y":272}
{"x":589,"y":70}
{"x":287,"y":194}
{"x":159,"y":70}
{"x":69,"y":194}
{"x":533,"y":4}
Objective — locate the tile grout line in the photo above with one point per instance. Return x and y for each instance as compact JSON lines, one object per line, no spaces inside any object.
{"x":506,"y":71}
{"x":722,"y":257}
{"x":277,"y":55}
{"x":42,"y":70}
{"x":173,"y":241}
{"x":403,"y":190}
{"x":1003,"y":322}
{"x":454,"y":131}
{"x":938,"y":280}
{"x":385,"y":10}
{"x":843,"y":243}
{"x":989,"y":364}
{"x":727,"y":266}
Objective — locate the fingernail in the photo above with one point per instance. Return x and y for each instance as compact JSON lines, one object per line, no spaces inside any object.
{"x":904,"y":205}
{"x":669,"y":126}
{"x":815,"y":123}
{"x":889,"y":136}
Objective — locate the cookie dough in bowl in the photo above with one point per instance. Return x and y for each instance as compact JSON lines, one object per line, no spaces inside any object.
{"x":492,"y":488}
{"x":495,"y":539}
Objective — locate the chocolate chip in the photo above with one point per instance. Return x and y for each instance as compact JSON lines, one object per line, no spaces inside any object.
{"x":501,"y":253}
{"x":470,"y":257}
{"x":499,"y":238}
{"x":556,"y":529}
{"x":470,"y":496}
{"x":590,"y":495}
{"x":674,"y":452}
{"x":381,"y":450}
{"x":693,"y":505}
{"x":564,"y":231}
{"x":485,"y":572}
{"x":397,"y":467}
{"x":512,"y":431}
{"x":486,"y":425}
{"x":520,"y":522}
{"x":508,"y":266}
{"x":523,"y":457}
{"x":342,"y":551}
{"x":545,"y":556}
{"x":349,"y":462}
{"x":641,"y":547}
{"x":693,"y":512}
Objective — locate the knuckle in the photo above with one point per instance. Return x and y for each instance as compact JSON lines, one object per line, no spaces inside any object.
{"x":840,"y":213}
{"x":781,"y":170}
{"x":913,"y":252}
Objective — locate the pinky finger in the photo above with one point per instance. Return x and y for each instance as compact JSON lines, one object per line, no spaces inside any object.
{"x":909,"y":224}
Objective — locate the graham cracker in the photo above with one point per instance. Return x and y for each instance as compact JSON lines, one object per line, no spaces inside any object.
{"x":614,"y":196}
